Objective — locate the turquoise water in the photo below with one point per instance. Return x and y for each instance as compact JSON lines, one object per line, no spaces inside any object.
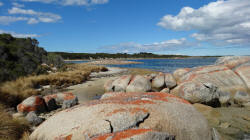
{"x":166,"y":65}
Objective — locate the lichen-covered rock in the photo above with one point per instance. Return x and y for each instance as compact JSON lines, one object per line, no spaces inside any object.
{"x":139,"y":83}
{"x":136,"y":134}
{"x":69,"y":102}
{"x":61,"y":97}
{"x":232,"y":61}
{"x":120,"y":84}
{"x":127,"y":115}
{"x":33,"y":103}
{"x":169,"y":80}
{"x":165,"y":90}
{"x":218,"y":75}
{"x":242,"y":98}
{"x":179,"y":73}
{"x":196,"y":92}
{"x":33,"y":119}
{"x":158,"y":82}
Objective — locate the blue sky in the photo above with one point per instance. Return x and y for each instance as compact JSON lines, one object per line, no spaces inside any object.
{"x":190,"y":27}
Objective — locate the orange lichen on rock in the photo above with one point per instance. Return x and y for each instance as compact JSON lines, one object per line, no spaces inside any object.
{"x":123,"y":134}
{"x":69,"y":96}
{"x":131,"y":110}
{"x":64,"y":138}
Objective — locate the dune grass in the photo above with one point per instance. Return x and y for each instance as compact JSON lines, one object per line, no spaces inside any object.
{"x":13,"y":92}
{"x":11,"y":129}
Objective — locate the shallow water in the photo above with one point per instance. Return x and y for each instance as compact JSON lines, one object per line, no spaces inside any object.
{"x":166,"y":65}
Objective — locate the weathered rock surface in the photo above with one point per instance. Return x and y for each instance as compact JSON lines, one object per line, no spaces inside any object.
{"x":33,"y":103}
{"x":139,"y":83}
{"x":136,"y":134}
{"x":242,"y":98}
{"x":121,"y":83}
{"x":169,"y":80}
{"x":232,"y":61}
{"x":197,"y":92}
{"x":108,"y":86}
{"x":244,"y":72}
{"x":192,"y":84}
{"x":127,"y":115}
{"x":158,"y":82}
{"x":179,"y":73}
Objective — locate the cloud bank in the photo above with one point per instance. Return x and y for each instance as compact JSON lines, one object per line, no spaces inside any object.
{"x":71,"y":2}
{"x":19,"y":35}
{"x":132,"y":47}
{"x":221,"y":22}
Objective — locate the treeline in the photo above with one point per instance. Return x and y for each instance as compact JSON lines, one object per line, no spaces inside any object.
{"x":22,"y":56}
{"x":74,"y":56}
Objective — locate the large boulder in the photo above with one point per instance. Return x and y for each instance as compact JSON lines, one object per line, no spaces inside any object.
{"x":120,"y":84}
{"x":232,"y":61}
{"x":169,"y":80}
{"x":139,"y":83}
{"x":126,"y":115}
{"x":218,"y":75}
{"x":33,"y":103}
{"x":196,"y":92}
{"x":158,"y":82}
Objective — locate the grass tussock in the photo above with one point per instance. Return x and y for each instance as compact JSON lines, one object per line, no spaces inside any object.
{"x":13,"y":92}
{"x":11,"y":129}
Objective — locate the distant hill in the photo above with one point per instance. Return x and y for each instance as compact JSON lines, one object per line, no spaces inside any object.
{"x":74,"y":56}
{"x":20,"y":57}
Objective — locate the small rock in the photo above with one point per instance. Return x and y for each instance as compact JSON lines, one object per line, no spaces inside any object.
{"x":33,"y":119}
{"x":247,"y":118}
{"x":165,"y":90}
{"x":139,"y":84}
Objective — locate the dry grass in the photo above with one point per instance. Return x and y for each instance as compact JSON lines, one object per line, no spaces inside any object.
{"x":11,"y":129}
{"x":13,"y":92}
{"x":137,"y":71}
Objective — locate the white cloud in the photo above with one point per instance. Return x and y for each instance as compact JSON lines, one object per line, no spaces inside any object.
{"x":221,"y":22}
{"x":132,"y":47}
{"x":15,"y":4}
{"x":1,"y":4}
{"x":71,"y":2}
{"x":19,"y":35}
{"x":5,"y":20}
{"x":36,"y":16}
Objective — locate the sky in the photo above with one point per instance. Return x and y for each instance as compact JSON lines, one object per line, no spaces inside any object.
{"x":186,"y":27}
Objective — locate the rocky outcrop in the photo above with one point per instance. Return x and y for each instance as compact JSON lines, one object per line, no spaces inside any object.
{"x":127,"y":115}
{"x":138,"y":83}
{"x":232,"y":61}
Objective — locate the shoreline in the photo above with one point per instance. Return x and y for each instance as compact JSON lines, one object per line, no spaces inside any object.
{"x":120,"y":59}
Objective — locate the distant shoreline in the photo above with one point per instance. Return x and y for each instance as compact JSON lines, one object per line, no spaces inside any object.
{"x":122,"y":59}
